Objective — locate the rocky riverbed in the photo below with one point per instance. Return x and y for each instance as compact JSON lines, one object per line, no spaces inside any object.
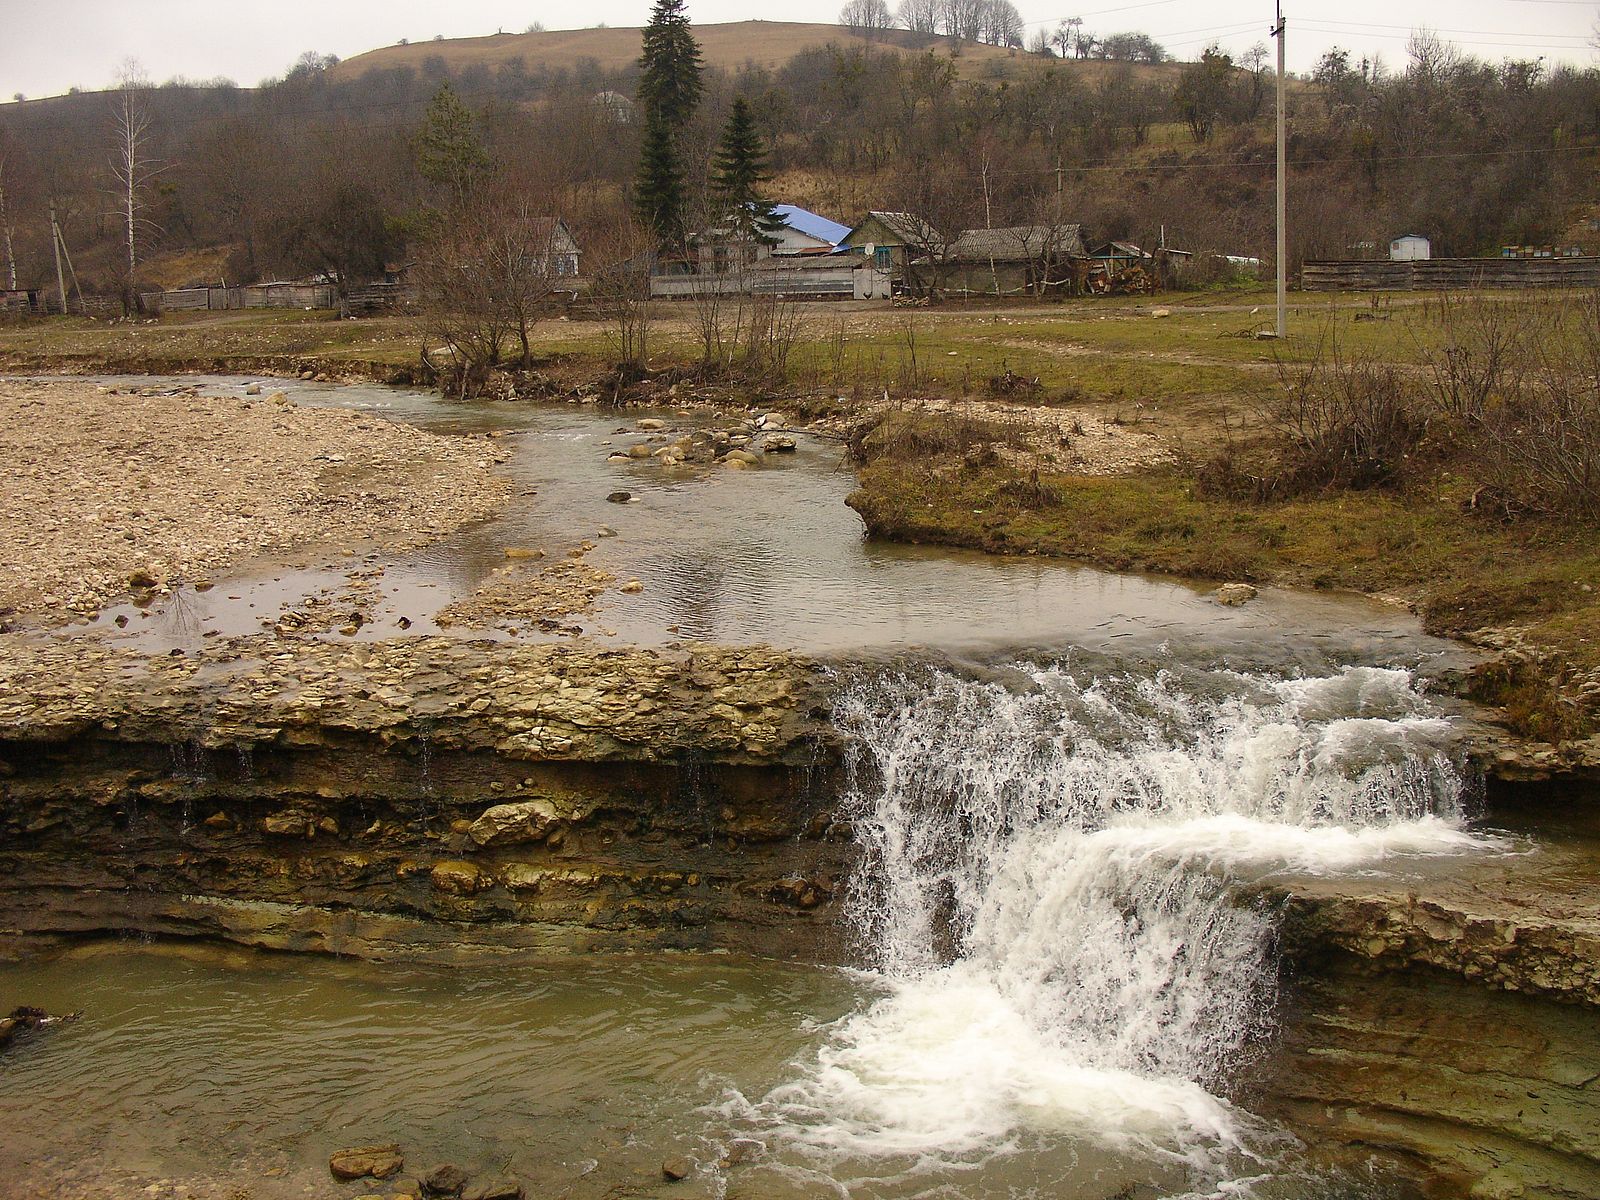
{"x":111,"y":489}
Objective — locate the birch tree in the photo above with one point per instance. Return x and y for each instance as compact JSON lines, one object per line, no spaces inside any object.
{"x":5,"y":225}
{"x":132,"y":167}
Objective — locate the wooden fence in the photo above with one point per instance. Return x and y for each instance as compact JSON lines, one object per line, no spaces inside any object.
{"x":259,"y":295}
{"x":1450,"y":274}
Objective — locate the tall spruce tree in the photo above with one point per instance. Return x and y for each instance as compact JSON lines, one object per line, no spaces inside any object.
{"x":738,"y":169}
{"x":669,"y":91}
{"x":669,"y":68}
{"x":658,"y":192}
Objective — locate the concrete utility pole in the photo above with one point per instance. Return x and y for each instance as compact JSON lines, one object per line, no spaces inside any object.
{"x":55,"y":241}
{"x":1283,"y":193}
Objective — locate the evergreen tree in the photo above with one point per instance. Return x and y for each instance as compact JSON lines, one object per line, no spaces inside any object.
{"x":669,"y":68}
{"x":658,"y":192}
{"x":669,"y":90}
{"x":448,"y":148}
{"x":738,"y":169}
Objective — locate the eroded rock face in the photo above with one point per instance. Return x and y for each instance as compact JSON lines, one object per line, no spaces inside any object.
{"x":572,"y":701}
{"x":433,"y":800}
{"x":1494,"y":1093}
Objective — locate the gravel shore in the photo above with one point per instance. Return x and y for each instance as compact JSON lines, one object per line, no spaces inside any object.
{"x":108,"y":491}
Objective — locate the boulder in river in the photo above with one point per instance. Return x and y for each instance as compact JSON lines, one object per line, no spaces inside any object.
{"x":620,"y":497}
{"x":493,"y":1189}
{"x":1234,"y":594}
{"x":361,"y":1162}
{"x":675,"y":1168}
{"x":446,"y":1179}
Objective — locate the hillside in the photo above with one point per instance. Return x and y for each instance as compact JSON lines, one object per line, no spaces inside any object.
{"x":770,"y":44}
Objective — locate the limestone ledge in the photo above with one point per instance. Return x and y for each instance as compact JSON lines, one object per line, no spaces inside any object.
{"x":570,"y":701}
{"x":1527,"y":923}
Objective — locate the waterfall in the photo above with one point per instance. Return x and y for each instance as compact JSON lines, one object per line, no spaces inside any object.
{"x":1047,"y":897}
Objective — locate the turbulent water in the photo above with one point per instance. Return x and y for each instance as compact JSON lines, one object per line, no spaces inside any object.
{"x":1047,"y":898}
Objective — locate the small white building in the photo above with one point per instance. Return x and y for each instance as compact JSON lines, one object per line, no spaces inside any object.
{"x":1410,"y":247}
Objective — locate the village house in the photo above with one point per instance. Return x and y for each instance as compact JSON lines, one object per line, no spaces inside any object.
{"x":892,"y":239}
{"x":804,"y":257}
{"x":1018,"y":260}
{"x":561,"y":252}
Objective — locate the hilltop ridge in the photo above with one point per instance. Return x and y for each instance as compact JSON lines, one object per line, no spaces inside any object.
{"x":730,"y":46}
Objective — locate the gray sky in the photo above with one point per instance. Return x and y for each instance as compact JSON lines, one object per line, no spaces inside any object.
{"x":48,"y":47}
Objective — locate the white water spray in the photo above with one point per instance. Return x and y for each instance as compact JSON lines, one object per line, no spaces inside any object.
{"x":1047,"y":894}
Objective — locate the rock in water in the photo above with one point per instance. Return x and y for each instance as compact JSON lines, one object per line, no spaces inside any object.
{"x":378,"y":1162}
{"x":494,"y":1189}
{"x":1234,"y":594}
{"x":620,"y":497}
{"x":676,"y":1168}
{"x":447,"y":1179}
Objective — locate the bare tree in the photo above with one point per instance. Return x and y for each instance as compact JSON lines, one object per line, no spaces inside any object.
{"x":620,"y":256}
{"x":487,"y":277}
{"x":5,"y":225}
{"x":867,"y":17}
{"x":132,"y":167}
{"x":919,"y":16}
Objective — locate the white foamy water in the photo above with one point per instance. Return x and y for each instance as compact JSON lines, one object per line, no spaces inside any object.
{"x":1047,"y":896}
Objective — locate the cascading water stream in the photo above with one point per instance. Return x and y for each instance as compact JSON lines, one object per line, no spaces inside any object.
{"x":1048,"y":897}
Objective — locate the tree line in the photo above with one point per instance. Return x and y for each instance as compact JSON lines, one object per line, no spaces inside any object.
{"x":317,"y":172}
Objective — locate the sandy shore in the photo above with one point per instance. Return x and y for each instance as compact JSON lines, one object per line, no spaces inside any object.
{"x":107,"y":491}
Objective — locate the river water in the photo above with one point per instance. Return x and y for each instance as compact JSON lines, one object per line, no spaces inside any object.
{"x":735,"y":557}
{"x":1062,"y":981}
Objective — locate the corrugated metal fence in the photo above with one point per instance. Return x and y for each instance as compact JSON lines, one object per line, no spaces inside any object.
{"x":1450,"y":274}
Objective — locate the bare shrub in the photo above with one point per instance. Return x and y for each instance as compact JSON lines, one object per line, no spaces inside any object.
{"x":1520,"y":386}
{"x":1483,"y":351}
{"x":1344,"y":423}
{"x":620,"y":256}
{"x":487,"y":277}
{"x":938,"y":438}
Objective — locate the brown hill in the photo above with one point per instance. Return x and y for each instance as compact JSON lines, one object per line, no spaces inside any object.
{"x":732,"y":46}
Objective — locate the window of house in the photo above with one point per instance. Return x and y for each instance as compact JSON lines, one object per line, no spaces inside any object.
{"x":883,"y":256}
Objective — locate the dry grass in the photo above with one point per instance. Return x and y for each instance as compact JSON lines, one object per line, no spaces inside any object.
{"x":729,"y":47}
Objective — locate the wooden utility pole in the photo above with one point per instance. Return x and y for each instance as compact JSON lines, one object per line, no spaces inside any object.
{"x":1283,"y":194}
{"x":55,"y":242}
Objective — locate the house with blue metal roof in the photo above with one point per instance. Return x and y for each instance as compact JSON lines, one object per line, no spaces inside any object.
{"x":806,"y":232}
{"x":802,"y":259}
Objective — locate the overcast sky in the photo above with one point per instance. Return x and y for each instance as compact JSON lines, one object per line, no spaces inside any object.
{"x":45,"y":48}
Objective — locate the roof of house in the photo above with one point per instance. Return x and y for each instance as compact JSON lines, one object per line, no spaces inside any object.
{"x":809,"y":223}
{"x":1120,"y":250}
{"x":908,"y":227}
{"x":1019,"y":242}
{"x":549,"y":230}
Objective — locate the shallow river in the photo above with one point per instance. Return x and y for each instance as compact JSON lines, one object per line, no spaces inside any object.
{"x":737,"y":557}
